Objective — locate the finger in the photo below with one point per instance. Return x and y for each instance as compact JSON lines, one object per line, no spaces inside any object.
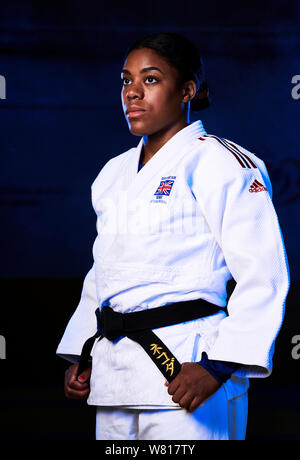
{"x":196,"y":402}
{"x":186,"y":400}
{"x":70,"y":380}
{"x":78,"y":386}
{"x":70,"y":373}
{"x":85,"y":375}
{"x":172,"y":387}
{"x":77,"y":395}
{"x":179,"y":394}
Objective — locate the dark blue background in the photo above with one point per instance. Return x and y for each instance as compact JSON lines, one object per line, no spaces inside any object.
{"x":62,"y":120}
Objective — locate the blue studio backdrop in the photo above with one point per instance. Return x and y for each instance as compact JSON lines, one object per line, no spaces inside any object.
{"x":61,"y":120}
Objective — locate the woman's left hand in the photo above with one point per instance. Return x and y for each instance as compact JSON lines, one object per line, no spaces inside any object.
{"x":192,"y":386}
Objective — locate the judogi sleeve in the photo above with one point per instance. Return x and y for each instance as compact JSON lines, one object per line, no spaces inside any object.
{"x":246,"y":228}
{"x":82,"y":324}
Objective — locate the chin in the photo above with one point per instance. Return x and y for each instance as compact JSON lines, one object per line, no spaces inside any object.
{"x":138,"y":129}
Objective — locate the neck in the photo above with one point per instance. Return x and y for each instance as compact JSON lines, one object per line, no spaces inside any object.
{"x":154,"y":142}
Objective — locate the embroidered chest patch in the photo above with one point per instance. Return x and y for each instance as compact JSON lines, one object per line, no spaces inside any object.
{"x":165,"y":186}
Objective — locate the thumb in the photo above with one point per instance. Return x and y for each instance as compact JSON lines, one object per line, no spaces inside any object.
{"x":84,"y":376}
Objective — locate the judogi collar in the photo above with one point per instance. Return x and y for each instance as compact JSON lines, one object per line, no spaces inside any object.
{"x":166,"y":153}
{"x":191,"y":132}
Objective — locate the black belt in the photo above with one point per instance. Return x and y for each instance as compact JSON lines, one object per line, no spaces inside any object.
{"x":137,"y":326}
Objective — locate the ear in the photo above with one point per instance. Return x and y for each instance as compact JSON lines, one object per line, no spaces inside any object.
{"x":189,"y":90}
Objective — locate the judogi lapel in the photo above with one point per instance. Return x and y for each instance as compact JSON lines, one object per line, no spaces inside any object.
{"x":169,"y":152}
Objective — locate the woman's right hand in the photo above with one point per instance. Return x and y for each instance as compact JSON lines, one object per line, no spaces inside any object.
{"x":77,"y":389}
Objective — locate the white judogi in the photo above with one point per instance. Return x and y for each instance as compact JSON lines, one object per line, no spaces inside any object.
{"x":216,"y":419}
{"x":198,"y":213}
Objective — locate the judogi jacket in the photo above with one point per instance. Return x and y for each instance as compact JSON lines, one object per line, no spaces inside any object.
{"x":196,"y":215}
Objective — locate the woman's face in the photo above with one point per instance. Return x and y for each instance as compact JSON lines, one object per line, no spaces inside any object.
{"x":152,"y":99}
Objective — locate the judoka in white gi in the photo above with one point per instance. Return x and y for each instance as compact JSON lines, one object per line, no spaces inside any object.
{"x":198,"y":213}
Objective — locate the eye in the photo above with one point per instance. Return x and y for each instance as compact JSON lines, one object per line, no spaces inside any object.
{"x":125,"y":81}
{"x":151,"y":79}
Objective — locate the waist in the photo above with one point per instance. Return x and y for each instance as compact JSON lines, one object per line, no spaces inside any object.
{"x":112,"y":324}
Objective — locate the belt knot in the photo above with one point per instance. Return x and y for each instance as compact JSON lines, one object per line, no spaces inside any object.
{"x":110,"y":323}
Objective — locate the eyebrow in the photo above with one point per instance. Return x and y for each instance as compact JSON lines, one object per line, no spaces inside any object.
{"x":146,"y":69}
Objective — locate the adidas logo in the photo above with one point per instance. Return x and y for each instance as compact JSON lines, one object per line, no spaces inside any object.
{"x":257,"y":187}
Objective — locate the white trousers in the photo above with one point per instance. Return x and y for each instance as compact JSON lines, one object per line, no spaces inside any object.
{"x":216,"y":419}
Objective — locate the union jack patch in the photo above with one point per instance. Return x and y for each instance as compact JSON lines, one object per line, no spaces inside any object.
{"x":165,"y":186}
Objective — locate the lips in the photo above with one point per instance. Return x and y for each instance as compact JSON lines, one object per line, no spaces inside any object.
{"x":134,"y":111}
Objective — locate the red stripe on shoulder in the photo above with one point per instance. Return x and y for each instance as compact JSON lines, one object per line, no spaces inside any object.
{"x":246,"y":156}
{"x":241,"y":162}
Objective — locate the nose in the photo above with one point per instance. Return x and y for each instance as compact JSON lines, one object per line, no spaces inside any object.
{"x":134,"y":91}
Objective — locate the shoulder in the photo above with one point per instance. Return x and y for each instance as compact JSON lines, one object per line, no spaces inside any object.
{"x":221,"y":162}
{"x":222,"y":157}
{"x":221,"y":152}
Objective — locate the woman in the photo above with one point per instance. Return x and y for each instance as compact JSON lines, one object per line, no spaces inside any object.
{"x":177,"y":217}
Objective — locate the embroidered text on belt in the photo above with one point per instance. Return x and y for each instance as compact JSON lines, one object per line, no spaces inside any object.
{"x":138,"y":327}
